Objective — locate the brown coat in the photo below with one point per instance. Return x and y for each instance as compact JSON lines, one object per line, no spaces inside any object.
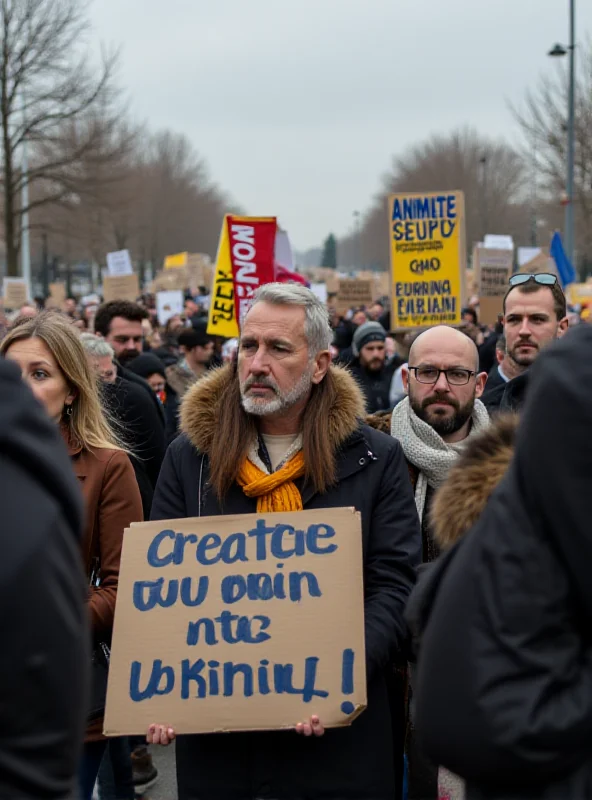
{"x":112,"y":501}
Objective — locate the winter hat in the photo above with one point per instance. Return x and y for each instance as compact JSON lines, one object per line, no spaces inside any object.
{"x":145,"y":365}
{"x":366,"y":333}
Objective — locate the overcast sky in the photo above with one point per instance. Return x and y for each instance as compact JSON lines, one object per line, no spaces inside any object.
{"x":299,"y":105}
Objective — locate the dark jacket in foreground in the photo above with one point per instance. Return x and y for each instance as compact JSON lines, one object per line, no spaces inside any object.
{"x":376,"y":386}
{"x":504,"y":691}
{"x":506,"y":398}
{"x":44,"y":648}
{"x":355,"y":762}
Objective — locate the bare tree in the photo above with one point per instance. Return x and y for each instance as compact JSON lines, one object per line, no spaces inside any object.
{"x":543,"y":120}
{"x":53,"y":101}
{"x":490,"y":173}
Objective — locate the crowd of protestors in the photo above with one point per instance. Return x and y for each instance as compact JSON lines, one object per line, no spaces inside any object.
{"x":481,"y":512}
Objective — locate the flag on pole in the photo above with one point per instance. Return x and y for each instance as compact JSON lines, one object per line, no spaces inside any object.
{"x":565,"y":270}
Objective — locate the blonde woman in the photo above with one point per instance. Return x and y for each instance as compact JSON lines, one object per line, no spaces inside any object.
{"x":48,"y":350}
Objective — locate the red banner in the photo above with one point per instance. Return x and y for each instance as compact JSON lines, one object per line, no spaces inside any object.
{"x":252,"y":249}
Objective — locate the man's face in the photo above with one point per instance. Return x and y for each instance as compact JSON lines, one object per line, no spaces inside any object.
{"x":202,"y":355}
{"x":125,"y":337}
{"x":274,"y":367}
{"x":372,"y":356}
{"x":445,"y":407}
{"x":70,"y":306}
{"x":376,"y":311}
{"x":105,"y":368}
{"x":530,"y":323}
{"x":191,"y":308}
{"x":359,"y":318}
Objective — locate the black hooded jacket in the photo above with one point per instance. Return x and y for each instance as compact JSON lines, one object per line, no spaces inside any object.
{"x":504,"y":689}
{"x":44,"y":652}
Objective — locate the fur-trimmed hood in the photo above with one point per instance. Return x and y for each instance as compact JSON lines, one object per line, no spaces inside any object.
{"x":481,"y":466}
{"x":200,"y":409}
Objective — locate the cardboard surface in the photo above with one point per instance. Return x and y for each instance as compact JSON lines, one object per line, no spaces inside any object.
{"x":121,"y":287}
{"x":493,"y":269}
{"x":15,"y":293}
{"x":168,"y":304}
{"x":119,"y":263}
{"x":295,"y":592}
{"x":353,"y":293}
{"x":57,"y":295}
{"x":428,"y":258}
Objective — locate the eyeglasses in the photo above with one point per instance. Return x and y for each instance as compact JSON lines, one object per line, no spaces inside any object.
{"x":543,"y":278}
{"x":455,"y":375}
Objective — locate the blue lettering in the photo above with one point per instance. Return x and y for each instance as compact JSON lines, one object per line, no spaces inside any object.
{"x":260,"y":531}
{"x":283,"y":678}
{"x":277,"y":549}
{"x":314,"y":533}
{"x":230,"y":670}
{"x":203,"y":585}
{"x":397,"y":209}
{"x":192,"y":672}
{"x":209,"y":632}
{"x":244,"y":633}
{"x":263,"y":677}
{"x":296,"y":579}
{"x":155,"y":597}
{"x":259,"y":586}
{"x":180,"y":541}
{"x":210,"y":541}
{"x":234,"y":549}
{"x":213,"y":675}
{"x":153,"y":558}
{"x":233,"y":588}
{"x":153,"y":687}
{"x":451,"y":206}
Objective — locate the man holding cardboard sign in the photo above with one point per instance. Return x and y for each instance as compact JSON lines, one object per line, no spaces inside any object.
{"x":281,"y":433}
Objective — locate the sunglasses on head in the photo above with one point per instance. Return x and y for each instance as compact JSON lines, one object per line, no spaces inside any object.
{"x":544,"y":278}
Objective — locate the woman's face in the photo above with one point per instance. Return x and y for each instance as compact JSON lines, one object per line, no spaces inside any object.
{"x":40,"y":370}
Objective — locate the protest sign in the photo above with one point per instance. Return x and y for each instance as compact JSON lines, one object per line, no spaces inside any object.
{"x":175,"y":261}
{"x":353,"y":293}
{"x":168,"y":304}
{"x":57,"y":295}
{"x":320,"y":291}
{"x":428,"y":258}
{"x":15,"y":292}
{"x":221,"y":317}
{"x":119,"y":263}
{"x":231,"y":623}
{"x":578,"y":293}
{"x":121,"y":287}
{"x":493,"y":270}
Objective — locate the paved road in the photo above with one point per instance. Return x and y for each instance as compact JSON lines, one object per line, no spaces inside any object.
{"x":165,"y":787}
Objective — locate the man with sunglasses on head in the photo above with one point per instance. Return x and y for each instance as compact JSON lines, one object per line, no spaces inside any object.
{"x":433,"y":423}
{"x":535,"y":314}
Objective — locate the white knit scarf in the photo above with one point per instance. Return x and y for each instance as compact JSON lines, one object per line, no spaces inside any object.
{"x":426,"y":449}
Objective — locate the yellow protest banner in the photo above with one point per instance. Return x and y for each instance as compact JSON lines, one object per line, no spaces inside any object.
{"x":428,"y":258}
{"x":175,"y":261}
{"x":222,"y":318}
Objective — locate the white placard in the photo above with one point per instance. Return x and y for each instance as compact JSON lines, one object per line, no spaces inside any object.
{"x":320,"y":290}
{"x":526,"y":254}
{"x":119,"y":263}
{"x":494,"y":241}
{"x":168,"y":304}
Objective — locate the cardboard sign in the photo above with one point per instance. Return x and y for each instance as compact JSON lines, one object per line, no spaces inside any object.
{"x":121,"y":287}
{"x":16,"y":293}
{"x":428,"y":258}
{"x":57,"y":295}
{"x":493,"y":270}
{"x":236,"y":623}
{"x":168,"y":304}
{"x":354,"y":293}
{"x":119,"y":263}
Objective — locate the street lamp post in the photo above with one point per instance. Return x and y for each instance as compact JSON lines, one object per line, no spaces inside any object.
{"x":358,"y":248}
{"x":560,"y":50}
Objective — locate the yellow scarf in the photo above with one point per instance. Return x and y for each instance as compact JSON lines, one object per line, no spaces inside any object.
{"x":275,"y":492}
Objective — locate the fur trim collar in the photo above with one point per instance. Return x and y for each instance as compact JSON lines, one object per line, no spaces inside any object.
{"x":479,"y":469}
{"x":201,"y":404}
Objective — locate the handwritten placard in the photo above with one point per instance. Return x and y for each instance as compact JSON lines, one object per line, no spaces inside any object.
{"x":354,"y":293}
{"x":119,"y":263}
{"x":16,"y":293}
{"x":238,"y":623}
{"x":121,"y":287}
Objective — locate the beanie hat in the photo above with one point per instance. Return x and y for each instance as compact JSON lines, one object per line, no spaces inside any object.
{"x":145,"y":365}
{"x":366,"y":333}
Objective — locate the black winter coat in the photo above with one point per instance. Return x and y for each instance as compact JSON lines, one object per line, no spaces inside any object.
{"x":44,"y":631}
{"x":504,"y":690}
{"x":349,"y":763}
{"x":376,"y":386}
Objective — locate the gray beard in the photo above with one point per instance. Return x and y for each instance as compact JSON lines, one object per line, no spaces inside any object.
{"x":259,"y":407}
